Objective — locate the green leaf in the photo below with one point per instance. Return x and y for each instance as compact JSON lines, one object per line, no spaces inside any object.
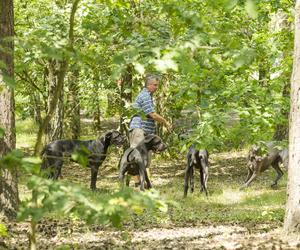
{"x":9,"y":81}
{"x":165,"y":64}
{"x":2,"y":132}
{"x":32,"y":160}
{"x":119,"y":59}
{"x":139,"y":68}
{"x":251,"y":9}
{"x":230,"y":4}
{"x":3,"y":230}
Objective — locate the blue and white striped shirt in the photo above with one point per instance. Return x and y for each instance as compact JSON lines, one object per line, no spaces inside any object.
{"x":144,"y":103}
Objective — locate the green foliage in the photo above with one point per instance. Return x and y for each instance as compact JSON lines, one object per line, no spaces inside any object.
{"x":66,"y":199}
{"x":50,"y":196}
{"x":3,"y":230}
{"x":229,"y":60}
{"x":2,"y":132}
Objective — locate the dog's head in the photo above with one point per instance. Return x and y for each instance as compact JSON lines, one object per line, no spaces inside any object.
{"x":203,"y":157}
{"x":253,"y":153}
{"x":154,"y":143}
{"x":115,"y":137}
{"x":199,"y":156}
{"x":255,"y":162}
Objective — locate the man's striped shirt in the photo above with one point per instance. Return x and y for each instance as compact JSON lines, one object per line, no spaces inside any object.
{"x":144,"y":103}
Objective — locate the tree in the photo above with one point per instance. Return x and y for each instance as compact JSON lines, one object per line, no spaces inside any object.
{"x":292,"y":213}
{"x":57,"y":77}
{"x":8,"y":178}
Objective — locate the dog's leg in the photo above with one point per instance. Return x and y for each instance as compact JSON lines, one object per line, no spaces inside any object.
{"x":142,"y":170}
{"x":94,"y":173}
{"x":205,"y":177}
{"x":203,"y":180}
{"x":252,"y":178}
{"x":186,"y":179}
{"x":127,"y":180}
{"x":250,"y":173}
{"x":53,"y":164}
{"x":123,"y":170}
{"x":57,"y":169}
{"x":275,"y":165}
{"x":147,"y":180}
{"x":192,"y":178}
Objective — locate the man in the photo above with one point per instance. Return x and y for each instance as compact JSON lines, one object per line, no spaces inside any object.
{"x":143,"y":122}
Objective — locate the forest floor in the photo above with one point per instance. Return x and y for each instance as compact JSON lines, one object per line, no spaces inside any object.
{"x":228,"y":219}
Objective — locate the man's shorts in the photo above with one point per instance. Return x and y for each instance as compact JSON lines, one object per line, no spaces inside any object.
{"x":135,"y":137}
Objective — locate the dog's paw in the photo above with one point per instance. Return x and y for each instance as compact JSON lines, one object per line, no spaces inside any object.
{"x":274,"y":186}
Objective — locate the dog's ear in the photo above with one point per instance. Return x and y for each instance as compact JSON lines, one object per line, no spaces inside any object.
{"x":115,"y":133}
{"x":109,"y":134}
{"x":149,"y":138}
{"x":258,"y":159}
{"x":154,"y":139}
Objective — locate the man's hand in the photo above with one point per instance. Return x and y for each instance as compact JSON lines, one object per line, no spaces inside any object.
{"x":162,"y":120}
{"x":168,"y":127}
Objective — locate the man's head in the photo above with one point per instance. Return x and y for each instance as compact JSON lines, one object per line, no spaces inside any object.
{"x":151,"y":83}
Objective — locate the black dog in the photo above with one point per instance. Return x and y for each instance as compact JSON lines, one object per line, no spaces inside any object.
{"x":94,"y":150}
{"x":257,"y":164}
{"x":135,"y":160}
{"x":196,"y":159}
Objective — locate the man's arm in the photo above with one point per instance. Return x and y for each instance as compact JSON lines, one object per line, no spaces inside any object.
{"x":160,"y":119}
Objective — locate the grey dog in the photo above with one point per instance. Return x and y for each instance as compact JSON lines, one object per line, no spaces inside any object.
{"x":197,"y":159}
{"x":257,"y":164}
{"x":135,"y":160}
{"x":94,"y":150}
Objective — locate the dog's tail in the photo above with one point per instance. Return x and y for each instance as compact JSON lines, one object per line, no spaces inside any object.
{"x":129,"y":153}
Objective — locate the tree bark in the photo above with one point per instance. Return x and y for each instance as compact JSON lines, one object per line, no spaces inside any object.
{"x":292,"y":213}
{"x":54,"y":130}
{"x":73,"y":105}
{"x":9,"y":200}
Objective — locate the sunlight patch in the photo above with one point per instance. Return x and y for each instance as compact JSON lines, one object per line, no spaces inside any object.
{"x":160,"y":181}
{"x":230,"y":196}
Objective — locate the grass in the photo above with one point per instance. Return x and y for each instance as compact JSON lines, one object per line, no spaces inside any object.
{"x":259,"y":204}
{"x":26,"y":133}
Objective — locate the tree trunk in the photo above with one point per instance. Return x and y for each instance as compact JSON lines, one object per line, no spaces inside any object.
{"x":292,"y":213}
{"x":54,"y":130}
{"x":9,"y":200}
{"x":36,"y":109}
{"x":73,"y":105}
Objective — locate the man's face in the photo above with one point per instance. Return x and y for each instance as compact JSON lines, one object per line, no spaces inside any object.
{"x":152,"y":86}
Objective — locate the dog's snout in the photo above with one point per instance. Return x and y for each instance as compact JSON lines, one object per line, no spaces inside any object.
{"x":162,"y":147}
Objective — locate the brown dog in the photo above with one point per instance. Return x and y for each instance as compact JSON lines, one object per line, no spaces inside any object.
{"x":257,"y":164}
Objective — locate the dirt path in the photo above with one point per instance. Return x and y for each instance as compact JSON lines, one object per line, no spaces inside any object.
{"x":205,"y":237}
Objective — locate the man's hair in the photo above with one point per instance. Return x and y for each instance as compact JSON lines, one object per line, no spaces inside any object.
{"x":150,"y":77}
